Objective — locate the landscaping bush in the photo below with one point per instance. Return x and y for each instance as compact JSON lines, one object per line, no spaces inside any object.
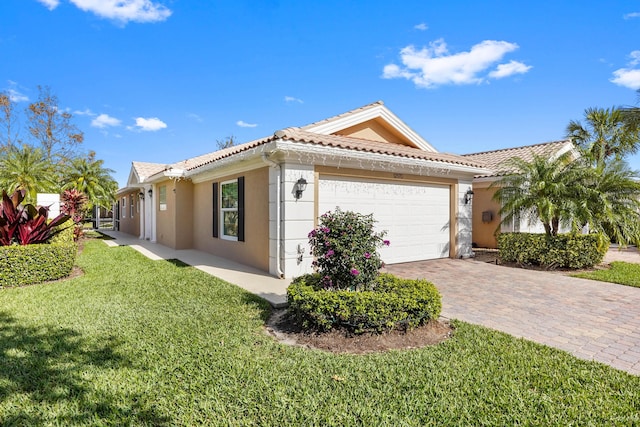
{"x":28,"y":264}
{"x":393,"y":303}
{"x":345,"y":246}
{"x":561,"y":251}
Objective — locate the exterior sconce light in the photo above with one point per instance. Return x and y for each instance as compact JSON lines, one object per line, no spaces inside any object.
{"x":468,"y":196}
{"x":141,"y":195}
{"x":150,"y":192}
{"x":299,"y":188}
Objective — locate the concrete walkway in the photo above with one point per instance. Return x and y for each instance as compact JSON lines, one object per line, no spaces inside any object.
{"x":258,"y":282}
{"x":591,"y":320}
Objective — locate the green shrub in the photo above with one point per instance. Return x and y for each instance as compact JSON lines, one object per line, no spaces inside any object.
{"x":64,"y":233}
{"x":561,"y":251}
{"x":345,"y":248}
{"x":28,"y":264}
{"x":394,"y":303}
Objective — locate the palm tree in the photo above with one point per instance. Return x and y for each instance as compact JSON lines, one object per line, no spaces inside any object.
{"x":27,"y":168}
{"x":607,"y":134}
{"x":612,"y":202}
{"x":89,"y":176}
{"x":543,"y":189}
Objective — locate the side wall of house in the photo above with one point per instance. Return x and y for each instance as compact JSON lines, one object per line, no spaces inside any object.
{"x":486,"y":218}
{"x":254,"y":251}
{"x":165,"y":213}
{"x":182,"y":194}
{"x":130,"y":217}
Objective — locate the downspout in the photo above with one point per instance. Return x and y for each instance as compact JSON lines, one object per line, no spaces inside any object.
{"x":267,"y":160}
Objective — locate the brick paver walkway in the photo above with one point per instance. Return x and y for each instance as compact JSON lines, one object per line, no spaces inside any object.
{"x":589,"y":319}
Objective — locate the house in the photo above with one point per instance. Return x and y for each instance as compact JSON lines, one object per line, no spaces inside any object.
{"x":486,"y":211}
{"x":255,"y":203}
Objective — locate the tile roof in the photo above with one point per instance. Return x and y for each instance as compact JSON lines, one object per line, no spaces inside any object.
{"x":145,"y":170}
{"x":365,"y":145}
{"x":340,"y":116}
{"x":495,"y":159}
{"x":300,"y":134}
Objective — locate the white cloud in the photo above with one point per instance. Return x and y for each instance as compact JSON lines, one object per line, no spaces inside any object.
{"x":628,"y":76}
{"x":85,"y":112}
{"x":244,"y":124}
{"x":194,"y":116}
{"x":421,"y":27}
{"x":50,"y":4}
{"x":105,"y":120}
{"x":293,"y":99}
{"x":151,"y":124}
{"x":509,"y":69}
{"x":124,"y":10}
{"x":632,"y":15}
{"x":434,"y":66}
{"x":16,"y":96}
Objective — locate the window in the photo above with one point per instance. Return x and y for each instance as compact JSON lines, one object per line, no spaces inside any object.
{"x":162,"y":199}
{"x":228,"y":210}
{"x":131,"y":206}
{"x":124,"y":207}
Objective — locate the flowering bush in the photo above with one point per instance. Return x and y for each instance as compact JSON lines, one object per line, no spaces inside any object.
{"x":345,"y":247}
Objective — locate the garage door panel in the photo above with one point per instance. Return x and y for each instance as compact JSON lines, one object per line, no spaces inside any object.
{"x":415,"y":216}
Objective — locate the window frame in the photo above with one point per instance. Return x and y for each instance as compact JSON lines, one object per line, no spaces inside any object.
{"x":131,"y":206}
{"x":224,"y":210}
{"x":162,"y":197}
{"x":218,"y":215}
{"x":124,"y":207}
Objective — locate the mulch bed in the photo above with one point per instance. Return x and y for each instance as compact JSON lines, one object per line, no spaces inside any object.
{"x":286,"y":331}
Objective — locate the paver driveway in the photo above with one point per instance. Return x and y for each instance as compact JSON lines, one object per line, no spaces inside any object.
{"x":590,"y":319}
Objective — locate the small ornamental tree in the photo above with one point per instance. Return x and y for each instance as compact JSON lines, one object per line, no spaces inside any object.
{"x":74,"y":204}
{"x":345,"y":247}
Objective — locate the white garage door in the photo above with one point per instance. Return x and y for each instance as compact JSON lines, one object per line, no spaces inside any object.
{"x":416,"y":216}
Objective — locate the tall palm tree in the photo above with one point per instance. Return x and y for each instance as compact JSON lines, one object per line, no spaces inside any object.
{"x":607,"y":134}
{"x":27,"y":168}
{"x":543,"y":189}
{"x":88,"y":175}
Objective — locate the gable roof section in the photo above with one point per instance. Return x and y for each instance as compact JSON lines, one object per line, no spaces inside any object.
{"x":371,"y":112}
{"x":494,"y":160}
{"x":320,"y":134}
{"x":297,"y":135}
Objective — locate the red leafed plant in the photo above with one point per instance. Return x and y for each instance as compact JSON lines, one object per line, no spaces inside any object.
{"x":25,"y":224}
{"x":74,"y":204}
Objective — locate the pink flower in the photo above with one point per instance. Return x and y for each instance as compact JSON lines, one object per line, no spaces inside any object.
{"x":367,"y":255}
{"x":386,"y":242}
{"x":354,"y":272}
{"x":330,"y":252}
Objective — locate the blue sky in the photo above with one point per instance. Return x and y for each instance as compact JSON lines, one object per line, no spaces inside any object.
{"x":163,"y":80}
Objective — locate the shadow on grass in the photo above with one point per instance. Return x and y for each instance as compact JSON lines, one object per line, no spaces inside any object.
{"x":177,"y":263}
{"x":45,"y":368}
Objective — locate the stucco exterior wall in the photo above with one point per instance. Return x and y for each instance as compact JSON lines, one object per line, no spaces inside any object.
{"x":130,"y":224}
{"x":165,"y":219}
{"x":182,"y":194}
{"x":254,"y":251}
{"x":374,"y":131}
{"x":484,"y":232}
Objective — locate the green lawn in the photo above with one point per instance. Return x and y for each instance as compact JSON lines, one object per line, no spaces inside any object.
{"x":623,"y":273}
{"x":141,"y":342}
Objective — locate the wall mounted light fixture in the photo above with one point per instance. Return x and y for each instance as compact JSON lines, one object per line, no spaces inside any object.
{"x":141,"y":195}
{"x":299,"y":188}
{"x":150,"y":192}
{"x":468,"y":196}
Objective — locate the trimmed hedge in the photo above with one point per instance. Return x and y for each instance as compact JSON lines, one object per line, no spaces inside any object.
{"x":561,"y":251}
{"x":29,"y":264}
{"x":394,"y":303}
